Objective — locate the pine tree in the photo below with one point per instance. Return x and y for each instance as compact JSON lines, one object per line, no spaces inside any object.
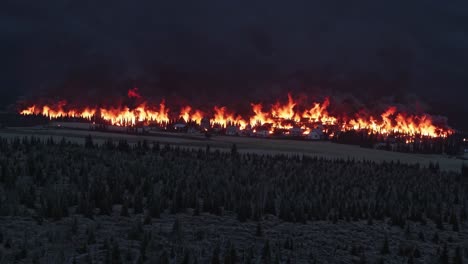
{"x":266,"y":252}
{"x":35,"y":259}
{"x":233,"y":254}
{"x":144,"y":243}
{"x":215,"y":257}
{"x":116,"y":258}
{"x":458,"y":258}
{"x":164,"y":258}
{"x":186,"y":259}
{"x":138,"y":203}
{"x":74,"y":226}
{"x":439,"y":223}
{"x":363,"y":259}
{"x":234,"y":150}
{"x":454,"y":222}
{"x":89,"y":142}
{"x":435,"y":238}
{"x":444,"y":257}
{"x":196,"y":211}
{"x":259,"y":232}
{"x":385,"y":248}
{"x":464,"y":171}
{"x":123,"y":146}
{"x":421,"y":236}
{"x":148,"y":219}
{"x":156,"y":147}
{"x":108,"y":144}
{"x":155,"y":208}
{"x":124,"y":210}
{"x":91,"y":235}
{"x":227,"y":258}
{"x":177,"y":231}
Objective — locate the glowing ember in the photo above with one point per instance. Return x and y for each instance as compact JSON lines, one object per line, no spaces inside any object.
{"x":133,"y":93}
{"x":289,"y":117}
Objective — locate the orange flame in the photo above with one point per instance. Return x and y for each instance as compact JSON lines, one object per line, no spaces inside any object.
{"x":185,"y":113}
{"x":126,"y":117}
{"x":285,"y":112}
{"x":319,"y":113}
{"x":279,"y":116}
{"x":223,"y":118}
{"x":394,"y":122}
{"x":260,"y":118}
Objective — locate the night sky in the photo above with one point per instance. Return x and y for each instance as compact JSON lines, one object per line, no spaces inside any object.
{"x":225,"y":50}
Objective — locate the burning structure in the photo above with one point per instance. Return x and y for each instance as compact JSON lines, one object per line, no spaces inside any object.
{"x":291,"y":118}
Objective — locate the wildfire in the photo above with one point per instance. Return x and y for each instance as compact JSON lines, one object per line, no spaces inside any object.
{"x":289,"y":116}
{"x":394,"y":122}
{"x":187,"y":115}
{"x":319,"y":113}
{"x":127,"y":117}
{"x":285,"y":112}
{"x":260,"y":117}
{"x":223,"y":118}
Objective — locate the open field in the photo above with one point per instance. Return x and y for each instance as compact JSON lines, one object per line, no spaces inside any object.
{"x":244,"y":145}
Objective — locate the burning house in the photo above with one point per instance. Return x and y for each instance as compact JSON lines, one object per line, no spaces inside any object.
{"x":262,"y":131}
{"x":247,"y":131}
{"x":193,"y":130}
{"x":315,"y":134}
{"x":295,"y":132}
{"x":232,"y":131}
{"x":205,"y":124}
{"x":180,"y":126}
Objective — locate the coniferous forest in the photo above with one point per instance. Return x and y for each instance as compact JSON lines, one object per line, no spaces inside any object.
{"x":63,"y":202}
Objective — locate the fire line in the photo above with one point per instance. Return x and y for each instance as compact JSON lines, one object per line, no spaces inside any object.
{"x":286,"y":116}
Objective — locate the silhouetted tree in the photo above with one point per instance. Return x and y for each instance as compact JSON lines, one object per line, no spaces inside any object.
{"x":458,"y":258}
{"x":444,"y":257}
{"x":215,"y":256}
{"x":385,"y":248}
{"x":259,"y":232}
{"x":89,"y":142}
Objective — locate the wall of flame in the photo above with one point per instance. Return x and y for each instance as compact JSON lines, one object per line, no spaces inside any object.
{"x":286,"y":115}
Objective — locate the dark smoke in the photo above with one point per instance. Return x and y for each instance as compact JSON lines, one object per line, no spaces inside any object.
{"x":236,"y":51}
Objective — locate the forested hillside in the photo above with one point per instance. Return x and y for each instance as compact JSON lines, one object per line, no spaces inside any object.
{"x":150,"y":203}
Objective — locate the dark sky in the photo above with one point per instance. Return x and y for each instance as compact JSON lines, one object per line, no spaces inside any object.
{"x":215,"y":50}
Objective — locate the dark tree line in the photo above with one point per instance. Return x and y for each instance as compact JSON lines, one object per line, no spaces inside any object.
{"x":158,"y":178}
{"x":452,"y":145}
{"x":149,"y":178}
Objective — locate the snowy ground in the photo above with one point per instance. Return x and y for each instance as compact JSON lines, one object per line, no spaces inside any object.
{"x":323,"y":242}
